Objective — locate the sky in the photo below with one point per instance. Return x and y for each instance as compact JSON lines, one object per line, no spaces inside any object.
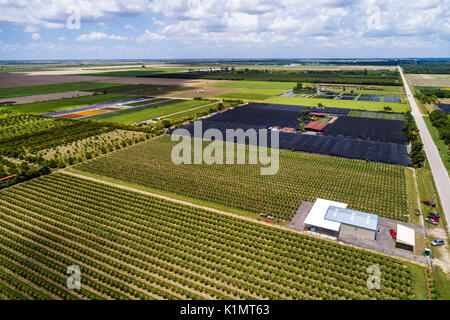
{"x":196,"y":29}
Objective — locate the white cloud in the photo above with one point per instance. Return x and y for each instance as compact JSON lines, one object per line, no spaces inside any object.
{"x":35,"y":36}
{"x":54,"y":13}
{"x":62,"y":38}
{"x":31,"y":29}
{"x":150,"y":36}
{"x":99,"y":36}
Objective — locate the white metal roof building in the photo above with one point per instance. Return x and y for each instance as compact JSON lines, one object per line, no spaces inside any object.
{"x":406,"y":236}
{"x":316,"y":217}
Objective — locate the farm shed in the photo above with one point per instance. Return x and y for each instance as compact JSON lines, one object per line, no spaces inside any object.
{"x":406,"y":237}
{"x":315,"y":126}
{"x":315,"y":221}
{"x":356,"y":223}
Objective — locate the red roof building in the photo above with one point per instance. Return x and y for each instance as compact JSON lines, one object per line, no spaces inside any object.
{"x":288,"y":129}
{"x":315,"y":126}
{"x":318,"y":114}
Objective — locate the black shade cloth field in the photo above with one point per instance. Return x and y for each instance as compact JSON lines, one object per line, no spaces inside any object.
{"x":347,"y":96}
{"x":444,"y":107}
{"x":391,"y":153}
{"x":283,"y":107}
{"x":367,"y":129}
{"x":392,"y":99}
{"x":370,"y":97}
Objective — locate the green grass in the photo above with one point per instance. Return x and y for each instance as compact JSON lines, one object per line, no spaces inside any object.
{"x":129,"y":116}
{"x":413,"y":195}
{"x":419,"y":281}
{"x":191,"y":112}
{"x":53,"y":88}
{"x":362,"y":105}
{"x":62,"y":104}
{"x":442,"y":284}
{"x":271,"y":85}
{"x":377,"y":115}
{"x":440,"y":144}
{"x":251,"y":94}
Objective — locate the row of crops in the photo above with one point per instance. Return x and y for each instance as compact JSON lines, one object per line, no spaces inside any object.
{"x":133,"y":246}
{"x":368,"y":187}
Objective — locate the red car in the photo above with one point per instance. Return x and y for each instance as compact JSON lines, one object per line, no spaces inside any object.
{"x":393,"y":233}
{"x":433,"y":218}
{"x":431,"y":221}
{"x":429,"y":203}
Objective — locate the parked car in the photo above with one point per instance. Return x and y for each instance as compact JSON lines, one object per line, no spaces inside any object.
{"x":437,"y":242}
{"x":431,"y":221}
{"x":434,"y":214}
{"x":393,"y":233}
{"x":263,"y":214}
{"x":433,"y":218}
{"x":429,"y":203}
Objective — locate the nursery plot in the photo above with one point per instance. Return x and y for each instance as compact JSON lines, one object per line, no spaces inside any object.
{"x":370,"y":97}
{"x":394,"y":99}
{"x":366,"y":128}
{"x":134,"y":246}
{"x":369,"y":187}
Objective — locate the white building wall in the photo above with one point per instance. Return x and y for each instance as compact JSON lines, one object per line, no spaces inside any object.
{"x":357,"y":232}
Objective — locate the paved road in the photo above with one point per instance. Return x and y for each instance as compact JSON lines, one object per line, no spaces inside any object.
{"x":437,"y":167}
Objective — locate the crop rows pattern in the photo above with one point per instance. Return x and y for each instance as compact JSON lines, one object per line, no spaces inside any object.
{"x":369,"y":187}
{"x":133,"y":246}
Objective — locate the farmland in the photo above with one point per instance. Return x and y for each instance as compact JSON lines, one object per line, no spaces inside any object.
{"x":151,"y":110}
{"x":269,"y":85}
{"x":134,"y":246}
{"x":372,"y":77}
{"x":55,"y":105}
{"x":360,"y":105}
{"x":53,"y":88}
{"x":377,"y":115}
{"x":251,"y":94}
{"x":57,"y":142}
{"x":370,"y":187}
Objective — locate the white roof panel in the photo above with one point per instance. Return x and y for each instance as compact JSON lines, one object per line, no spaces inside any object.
{"x":406,"y":235}
{"x":316,"y":216}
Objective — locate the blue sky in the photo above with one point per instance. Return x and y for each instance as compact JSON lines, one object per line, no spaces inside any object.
{"x":155,"y":29}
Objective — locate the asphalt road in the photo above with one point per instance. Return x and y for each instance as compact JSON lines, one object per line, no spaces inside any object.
{"x":437,"y":167}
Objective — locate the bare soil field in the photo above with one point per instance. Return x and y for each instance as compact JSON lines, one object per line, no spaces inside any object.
{"x":47,"y":97}
{"x":429,"y":80}
{"x":10,"y":80}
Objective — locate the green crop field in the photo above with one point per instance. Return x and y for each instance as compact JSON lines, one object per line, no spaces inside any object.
{"x":150,"y":111}
{"x":133,"y":246}
{"x":349,"y":104}
{"x":251,"y":94}
{"x":53,"y":88}
{"x":271,"y":85}
{"x":369,"y":187}
{"x":62,"y":104}
{"x":377,"y":115}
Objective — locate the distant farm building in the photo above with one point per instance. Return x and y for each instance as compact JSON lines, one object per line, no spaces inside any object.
{"x":287,"y":129}
{"x":318,"y":114}
{"x":316,"y":126}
